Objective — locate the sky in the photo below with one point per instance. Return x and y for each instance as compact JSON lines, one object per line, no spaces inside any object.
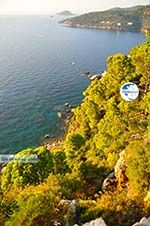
{"x":55,"y":6}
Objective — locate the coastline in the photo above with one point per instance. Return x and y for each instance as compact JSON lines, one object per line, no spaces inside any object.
{"x":131,"y":19}
{"x":102,"y":28}
{"x":57,"y":141}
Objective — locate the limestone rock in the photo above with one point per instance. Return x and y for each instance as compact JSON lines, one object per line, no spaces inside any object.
{"x":143,"y":222}
{"x":95,"y":76}
{"x":66,"y":104}
{"x":120,"y":169}
{"x":46,"y":136}
{"x":59,"y":114}
{"x":97,"y":222}
{"x":56,"y":223}
{"x":110,"y":182}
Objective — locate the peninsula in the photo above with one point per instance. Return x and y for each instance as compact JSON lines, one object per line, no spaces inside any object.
{"x":133,"y":19}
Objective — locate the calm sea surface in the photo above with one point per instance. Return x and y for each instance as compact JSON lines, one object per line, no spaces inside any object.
{"x":37,"y":75}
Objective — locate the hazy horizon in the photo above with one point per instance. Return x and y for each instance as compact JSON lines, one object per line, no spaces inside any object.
{"x":46,"y":7}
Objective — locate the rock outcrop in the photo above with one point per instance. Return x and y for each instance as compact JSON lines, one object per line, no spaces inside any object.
{"x":117,"y":178}
{"x":100,"y":222}
{"x":109,"y":183}
{"x":97,"y":222}
{"x":59,"y":114}
{"x":143,"y":222}
{"x":120,"y":169}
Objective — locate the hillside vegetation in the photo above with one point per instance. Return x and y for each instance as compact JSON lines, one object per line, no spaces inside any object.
{"x":129,"y":19}
{"x":106,"y":135}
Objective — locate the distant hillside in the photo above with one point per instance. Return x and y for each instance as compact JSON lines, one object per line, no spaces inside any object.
{"x":66,"y":13}
{"x":134,"y":19}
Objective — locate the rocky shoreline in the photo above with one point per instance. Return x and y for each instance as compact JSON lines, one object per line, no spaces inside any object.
{"x":65,"y":116}
{"x":50,"y":141}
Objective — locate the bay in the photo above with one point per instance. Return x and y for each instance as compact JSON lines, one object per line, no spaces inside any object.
{"x":37,"y":75}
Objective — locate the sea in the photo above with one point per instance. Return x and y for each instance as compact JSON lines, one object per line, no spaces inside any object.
{"x":42,"y":65}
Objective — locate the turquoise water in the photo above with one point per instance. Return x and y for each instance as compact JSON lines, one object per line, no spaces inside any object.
{"x":37,"y":75}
